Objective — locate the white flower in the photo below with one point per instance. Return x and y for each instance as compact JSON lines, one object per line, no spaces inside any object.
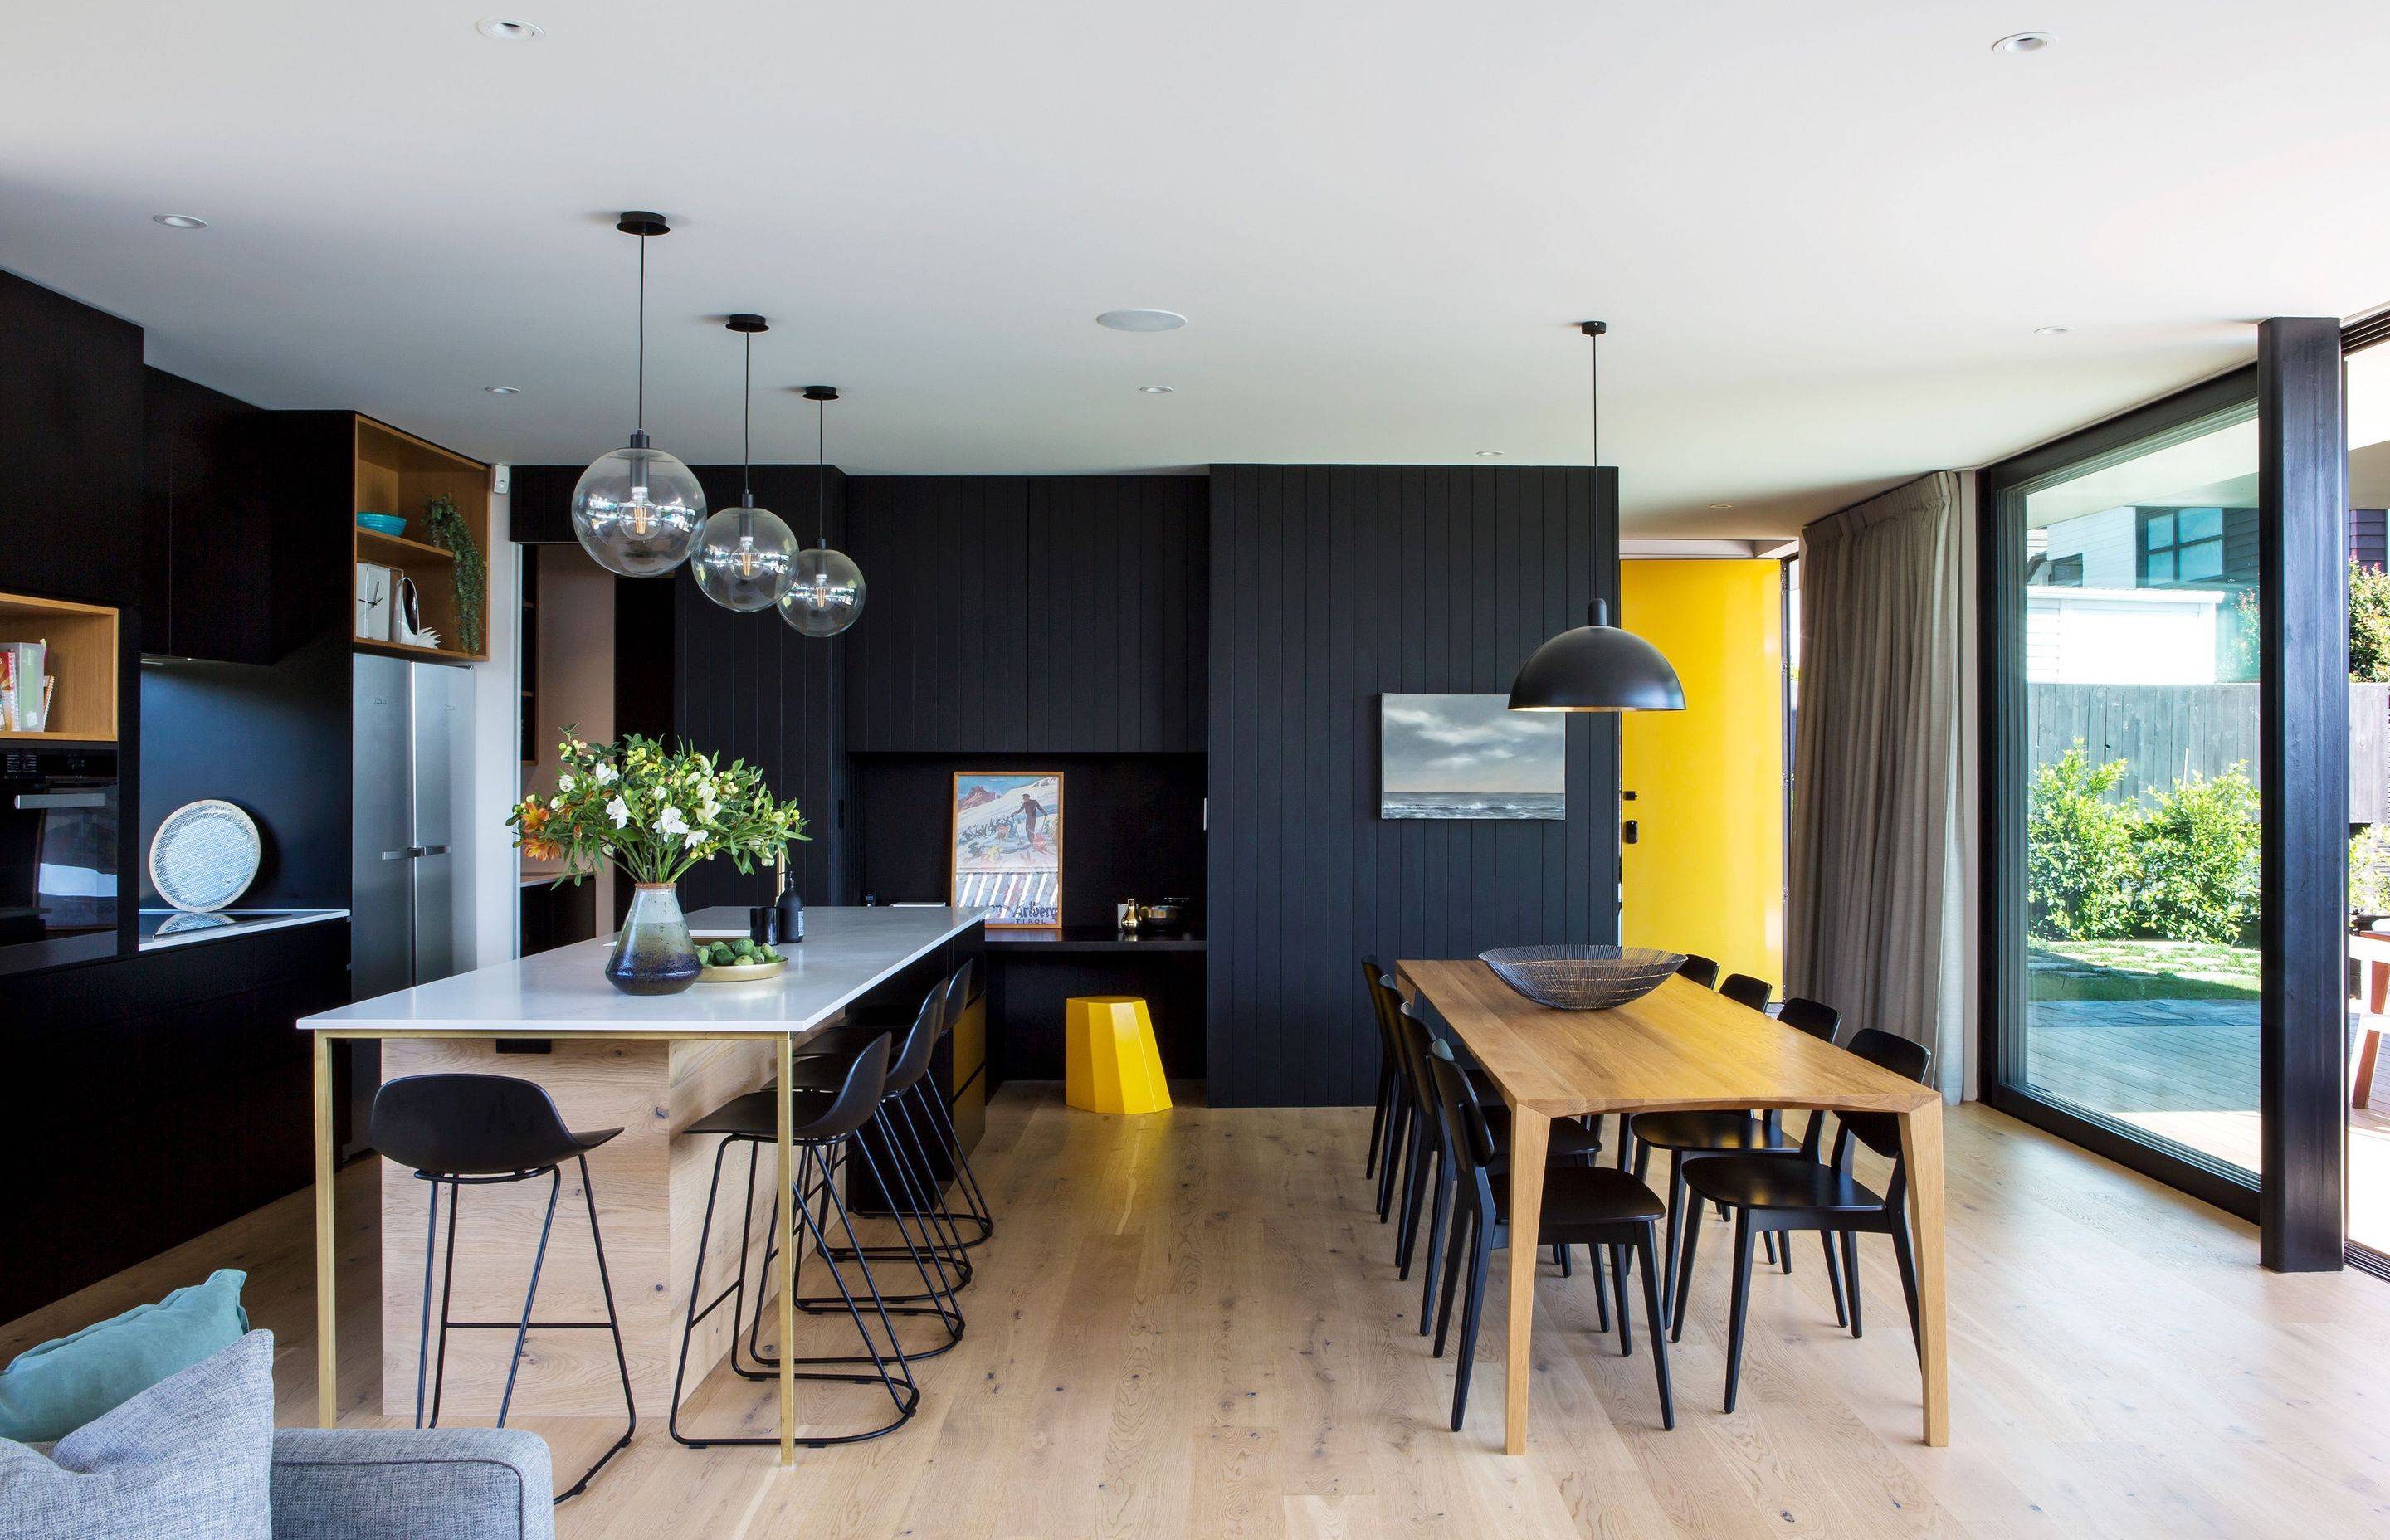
{"x":671,"y":821}
{"x":695,"y":836}
{"x":556,"y":804}
{"x":619,"y":811}
{"x":708,"y":808}
{"x":604,"y":774}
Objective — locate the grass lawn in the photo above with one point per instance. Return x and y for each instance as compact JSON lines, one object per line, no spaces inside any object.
{"x":2141,"y":970}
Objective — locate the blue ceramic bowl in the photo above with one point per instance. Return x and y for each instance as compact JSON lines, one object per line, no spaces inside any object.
{"x":384,"y":524}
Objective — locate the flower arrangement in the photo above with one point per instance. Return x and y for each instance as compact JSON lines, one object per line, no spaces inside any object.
{"x":654,"y":811}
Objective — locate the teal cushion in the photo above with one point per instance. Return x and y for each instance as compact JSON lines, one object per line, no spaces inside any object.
{"x":52,"y":1390}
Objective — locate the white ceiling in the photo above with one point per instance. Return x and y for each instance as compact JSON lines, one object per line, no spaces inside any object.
{"x":1824,"y":236}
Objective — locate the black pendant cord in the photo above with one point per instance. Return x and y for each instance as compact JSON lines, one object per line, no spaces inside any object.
{"x":821,"y":473}
{"x":747,"y":425}
{"x":1597,"y":611}
{"x":640,"y":425}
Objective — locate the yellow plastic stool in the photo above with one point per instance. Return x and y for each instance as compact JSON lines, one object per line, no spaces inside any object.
{"x":1112,"y":1065}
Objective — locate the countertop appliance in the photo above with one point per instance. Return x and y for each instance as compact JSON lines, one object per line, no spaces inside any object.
{"x":58,"y":852}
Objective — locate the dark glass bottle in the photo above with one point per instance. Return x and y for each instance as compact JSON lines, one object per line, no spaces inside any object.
{"x":793,"y":917}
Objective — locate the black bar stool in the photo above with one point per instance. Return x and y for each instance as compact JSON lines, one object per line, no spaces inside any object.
{"x":908,"y":1178}
{"x":490,"y":1131}
{"x":841,"y":1042}
{"x":823,"y":1125}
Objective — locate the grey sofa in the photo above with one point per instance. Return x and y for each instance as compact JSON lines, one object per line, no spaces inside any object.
{"x":196,"y":1454}
{"x":364,"y":1483}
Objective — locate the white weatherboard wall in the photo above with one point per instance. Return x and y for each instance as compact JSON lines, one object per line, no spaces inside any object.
{"x":2121,"y":636}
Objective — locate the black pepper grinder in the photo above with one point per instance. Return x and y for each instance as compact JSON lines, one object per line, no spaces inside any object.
{"x":788,"y":908}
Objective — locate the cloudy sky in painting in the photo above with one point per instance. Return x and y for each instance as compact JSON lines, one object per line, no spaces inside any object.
{"x":1470,"y":743}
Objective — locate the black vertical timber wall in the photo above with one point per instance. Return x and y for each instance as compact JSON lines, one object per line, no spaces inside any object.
{"x":1330,"y":585}
{"x":751,"y":687}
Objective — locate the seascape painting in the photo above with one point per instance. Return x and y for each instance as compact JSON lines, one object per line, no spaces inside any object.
{"x":1008,"y":845}
{"x":1470,"y":756}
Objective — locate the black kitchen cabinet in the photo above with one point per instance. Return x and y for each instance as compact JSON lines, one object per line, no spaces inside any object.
{"x":158,"y":1097}
{"x":71,"y":436}
{"x":1050,"y":614}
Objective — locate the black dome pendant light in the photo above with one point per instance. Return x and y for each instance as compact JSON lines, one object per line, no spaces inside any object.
{"x":1597,"y":667}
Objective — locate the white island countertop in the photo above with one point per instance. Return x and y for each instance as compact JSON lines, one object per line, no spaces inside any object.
{"x":846,"y":952}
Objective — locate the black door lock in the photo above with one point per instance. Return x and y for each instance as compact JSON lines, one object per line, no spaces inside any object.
{"x":1627,"y":832}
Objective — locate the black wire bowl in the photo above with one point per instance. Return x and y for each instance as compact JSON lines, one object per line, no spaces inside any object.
{"x":1582,"y":978}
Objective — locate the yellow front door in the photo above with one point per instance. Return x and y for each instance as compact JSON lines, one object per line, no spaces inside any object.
{"x":1706,"y":872}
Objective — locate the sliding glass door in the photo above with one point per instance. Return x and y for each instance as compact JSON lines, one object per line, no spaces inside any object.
{"x":2120,"y":587}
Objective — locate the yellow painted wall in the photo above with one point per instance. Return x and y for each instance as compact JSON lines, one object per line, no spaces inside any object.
{"x":1707,"y":875}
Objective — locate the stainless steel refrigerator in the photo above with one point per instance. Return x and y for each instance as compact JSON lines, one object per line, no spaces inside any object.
{"x":412,"y":743}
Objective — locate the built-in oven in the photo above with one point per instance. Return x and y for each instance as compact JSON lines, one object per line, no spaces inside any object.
{"x":58,"y":856}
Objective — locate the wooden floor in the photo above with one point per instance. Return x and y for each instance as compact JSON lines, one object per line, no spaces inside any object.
{"x":1188,"y":1325}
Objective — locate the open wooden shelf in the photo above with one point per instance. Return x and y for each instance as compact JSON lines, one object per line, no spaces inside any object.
{"x":396,"y":550}
{"x":398,"y":473}
{"x":82,"y":658}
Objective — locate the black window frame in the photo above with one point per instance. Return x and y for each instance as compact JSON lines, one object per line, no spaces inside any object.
{"x":2005,"y":738}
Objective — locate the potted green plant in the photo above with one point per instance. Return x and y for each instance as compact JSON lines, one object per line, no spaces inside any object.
{"x":654,"y":812}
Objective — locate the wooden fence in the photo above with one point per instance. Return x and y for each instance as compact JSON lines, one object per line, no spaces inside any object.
{"x":2167,"y":731}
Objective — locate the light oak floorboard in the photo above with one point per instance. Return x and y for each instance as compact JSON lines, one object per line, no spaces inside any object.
{"x":1188,"y":1323}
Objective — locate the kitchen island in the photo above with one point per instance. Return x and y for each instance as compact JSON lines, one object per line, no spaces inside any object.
{"x":650,"y":1065}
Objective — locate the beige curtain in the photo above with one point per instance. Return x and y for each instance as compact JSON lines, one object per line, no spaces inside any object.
{"x":1881,"y":808}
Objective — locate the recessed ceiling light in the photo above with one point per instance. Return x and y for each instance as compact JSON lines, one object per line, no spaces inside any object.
{"x":505,"y":31}
{"x":1155,"y":389}
{"x":180,"y":221}
{"x":1721,"y":505}
{"x":2024,"y":43}
{"x":1489,"y":454}
{"x":504,"y":390}
{"x":2050,"y":331}
{"x":1141,"y":320}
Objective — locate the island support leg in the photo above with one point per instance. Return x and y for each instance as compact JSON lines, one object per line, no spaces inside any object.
{"x":1530,"y":1133}
{"x":784,"y":1049}
{"x":328,"y":1356}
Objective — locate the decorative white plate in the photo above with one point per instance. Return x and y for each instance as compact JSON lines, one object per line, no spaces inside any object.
{"x":205,"y":855}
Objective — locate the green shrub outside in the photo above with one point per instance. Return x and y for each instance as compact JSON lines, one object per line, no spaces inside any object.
{"x":2183,"y":864}
{"x":2078,"y":851}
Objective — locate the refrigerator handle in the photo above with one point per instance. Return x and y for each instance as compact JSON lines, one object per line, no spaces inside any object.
{"x":399,"y":854}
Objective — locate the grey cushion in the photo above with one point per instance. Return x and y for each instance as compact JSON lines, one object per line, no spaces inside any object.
{"x":457,"y":1483}
{"x":190,"y":1459}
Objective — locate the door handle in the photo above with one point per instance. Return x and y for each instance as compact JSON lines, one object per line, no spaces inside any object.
{"x":430,"y":850}
{"x":1628,"y":832}
{"x":28,"y":800}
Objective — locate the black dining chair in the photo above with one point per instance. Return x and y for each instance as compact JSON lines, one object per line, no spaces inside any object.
{"x":1690,"y":1136}
{"x":1571,"y":1142}
{"x":481,"y":1131}
{"x":1745,"y":990}
{"x":1389,"y":1080}
{"x":1590,"y":1205}
{"x":1781,"y":1193}
{"x":1701,"y":970}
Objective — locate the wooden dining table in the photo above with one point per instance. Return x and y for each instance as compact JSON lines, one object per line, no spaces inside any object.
{"x":1680,"y":1048}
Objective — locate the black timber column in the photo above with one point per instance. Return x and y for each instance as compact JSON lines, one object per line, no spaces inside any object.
{"x":2303,"y":749}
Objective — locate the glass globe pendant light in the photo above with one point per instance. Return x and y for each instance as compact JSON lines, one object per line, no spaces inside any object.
{"x":826,"y":595}
{"x":1597,"y":666}
{"x":637,"y":510}
{"x":746,"y":556}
